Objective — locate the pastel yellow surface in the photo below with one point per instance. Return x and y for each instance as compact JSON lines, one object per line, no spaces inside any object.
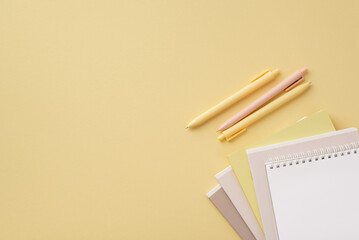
{"x":316,"y":124}
{"x":95,"y":96}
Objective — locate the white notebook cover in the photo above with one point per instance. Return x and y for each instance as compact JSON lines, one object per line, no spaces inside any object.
{"x":229,"y":182}
{"x":259,"y":156}
{"x":317,"y":196}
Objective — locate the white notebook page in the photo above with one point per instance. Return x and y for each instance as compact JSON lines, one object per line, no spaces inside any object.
{"x":318,"y":199}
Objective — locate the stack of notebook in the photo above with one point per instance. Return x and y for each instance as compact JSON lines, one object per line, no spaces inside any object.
{"x":300,"y":183}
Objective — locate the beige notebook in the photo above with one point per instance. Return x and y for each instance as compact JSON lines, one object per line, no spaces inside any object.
{"x":259,"y":156}
{"x":229,"y":182}
{"x":220,"y":199}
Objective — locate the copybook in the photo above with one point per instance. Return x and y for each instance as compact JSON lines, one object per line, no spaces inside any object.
{"x":317,"y":123}
{"x":224,"y":205}
{"x":228,"y":181}
{"x":305,"y":187}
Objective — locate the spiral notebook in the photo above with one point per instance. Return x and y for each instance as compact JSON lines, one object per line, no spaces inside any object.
{"x":315,"y":194}
{"x":259,"y":156}
{"x":314,"y":124}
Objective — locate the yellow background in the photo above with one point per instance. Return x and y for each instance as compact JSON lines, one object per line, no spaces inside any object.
{"x":95,"y":96}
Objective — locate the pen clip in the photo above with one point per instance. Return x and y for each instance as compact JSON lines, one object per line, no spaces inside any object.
{"x":259,"y":76}
{"x":236,"y":134}
{"x":294,"y":84}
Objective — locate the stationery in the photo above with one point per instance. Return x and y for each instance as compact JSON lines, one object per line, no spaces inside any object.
{"x":228,"y":181}
{"x":315,"y":195}
{"x":259,"y":156}
{"x":285,"y":85}
{"x":221,"y":201}
{"x":317,"y":123}
{"x":255,"y":84}
{"x":241,"y":126}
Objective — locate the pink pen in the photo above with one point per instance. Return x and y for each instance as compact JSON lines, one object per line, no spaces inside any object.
{"x":285,"y":85}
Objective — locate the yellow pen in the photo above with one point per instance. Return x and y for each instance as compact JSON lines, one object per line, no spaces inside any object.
{"x":256,"y":83}
{"x":241,"y":126}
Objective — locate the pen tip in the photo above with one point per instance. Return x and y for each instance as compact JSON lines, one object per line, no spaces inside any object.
{"x":186,"y":127}
{"x":217,"y":131}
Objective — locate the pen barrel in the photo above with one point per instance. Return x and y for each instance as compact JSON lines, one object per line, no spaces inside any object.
{"x":226,"y":103}
{"x":270,"y":107}
{"x":261,"y":101}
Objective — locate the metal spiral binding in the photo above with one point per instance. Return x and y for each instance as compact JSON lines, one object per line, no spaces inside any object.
{"x":312,"y":156}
